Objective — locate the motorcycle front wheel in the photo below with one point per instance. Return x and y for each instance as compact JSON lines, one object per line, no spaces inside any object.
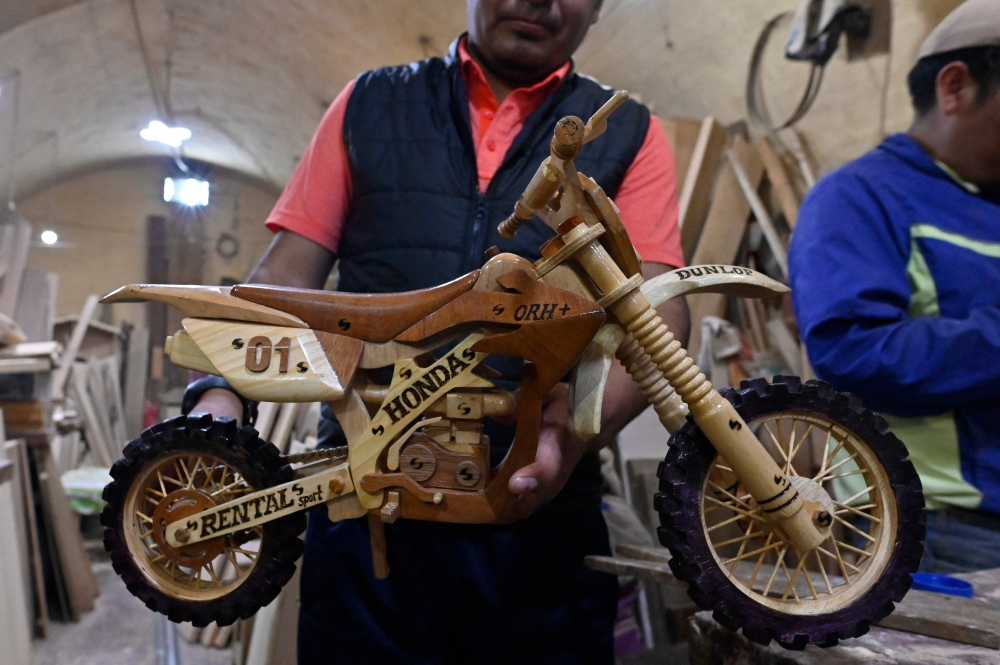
{"x":837,"y":454}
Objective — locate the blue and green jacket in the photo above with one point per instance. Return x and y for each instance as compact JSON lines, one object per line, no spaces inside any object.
{"x":895,"y":274}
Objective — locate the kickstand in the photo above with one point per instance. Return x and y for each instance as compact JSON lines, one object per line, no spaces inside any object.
{"x":376,"y":531}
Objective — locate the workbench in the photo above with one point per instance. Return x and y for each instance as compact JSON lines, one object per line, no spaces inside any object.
{"x":975,"y":620}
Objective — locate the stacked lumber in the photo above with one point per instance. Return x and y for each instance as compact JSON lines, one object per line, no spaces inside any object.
{"x":738,"y":205}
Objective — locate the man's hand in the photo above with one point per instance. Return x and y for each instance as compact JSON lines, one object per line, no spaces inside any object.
{"x":559,"y":450}
{"x":220,"y":403}
{"x":558,"y":453}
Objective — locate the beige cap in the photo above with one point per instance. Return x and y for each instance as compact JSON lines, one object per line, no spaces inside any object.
{"x":973,"y":23}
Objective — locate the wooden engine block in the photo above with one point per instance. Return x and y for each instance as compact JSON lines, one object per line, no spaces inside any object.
{"x":451,"y":454}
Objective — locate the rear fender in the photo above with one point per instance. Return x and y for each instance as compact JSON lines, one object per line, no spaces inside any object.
{"x":204,"y":302}
{"x":591,"y":373}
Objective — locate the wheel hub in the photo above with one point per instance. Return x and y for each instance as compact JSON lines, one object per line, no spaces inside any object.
{"x":176,"y":506}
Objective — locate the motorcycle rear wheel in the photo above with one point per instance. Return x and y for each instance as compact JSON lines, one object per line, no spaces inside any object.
{"x":738,"y":566}
{"x":178,"y":468}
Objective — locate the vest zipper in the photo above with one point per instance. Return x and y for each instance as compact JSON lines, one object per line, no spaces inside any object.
{"x":478,"y":245}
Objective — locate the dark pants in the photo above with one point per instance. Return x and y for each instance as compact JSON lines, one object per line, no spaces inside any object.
{"x":517,"y":593}
{"x":960,"y":541}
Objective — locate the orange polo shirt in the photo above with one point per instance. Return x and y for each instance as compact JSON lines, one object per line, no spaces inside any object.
{"x":317,"y":199}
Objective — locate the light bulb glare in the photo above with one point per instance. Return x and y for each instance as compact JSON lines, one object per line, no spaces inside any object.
{"x":186,"y":191}
{"x":50,"y":237}
{"x":160,"y":133}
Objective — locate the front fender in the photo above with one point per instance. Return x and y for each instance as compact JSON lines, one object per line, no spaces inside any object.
{"x":590,"y":375}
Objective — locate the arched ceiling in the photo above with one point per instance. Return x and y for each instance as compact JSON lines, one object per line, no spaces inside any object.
{"x":252,"y":78}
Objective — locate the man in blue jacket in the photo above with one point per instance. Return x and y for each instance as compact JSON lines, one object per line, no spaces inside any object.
{"x":895,"y":270}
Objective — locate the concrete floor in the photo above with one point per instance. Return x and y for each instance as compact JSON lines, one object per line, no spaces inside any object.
{"x":120,"y":631}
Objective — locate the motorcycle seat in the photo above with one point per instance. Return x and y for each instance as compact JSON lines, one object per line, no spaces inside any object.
{"x":370,"y":317}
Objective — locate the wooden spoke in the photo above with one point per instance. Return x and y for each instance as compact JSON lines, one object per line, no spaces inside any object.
{"x":826,"y":451}
{"x":829,"y":458}
{"x":835,"y":558}
{"x":159,"y":478}
{"x":864,"y":491}
{"x":743,"y":547}
{"x":822,"y":570}
{"x":833,"y":468}
{"x":210,"y":567}
{"x":725,"y":493}
{"x":840,"y":560}
{"x":144,"y":518}
{"x":724,"y":468}
{"x":247,"y":553}
{"x":170,"y":479}
{"x":740,"y":539}
{"x":852,"y":548}
{"x":857,"y":511}
{"x":854,"y":529}
{"x":776,"y":444}
{"x":760,"y":559}
{"x":731,"y":520}
{"x":761,"y":552}
{"x":227,"y":488}
{"x":795,"y":450}
{"x":781,"y":558}
{"x":791,"y":579}
{"x":845,"y":475}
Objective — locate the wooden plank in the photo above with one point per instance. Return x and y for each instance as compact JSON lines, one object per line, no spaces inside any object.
{"x":91,"y":423}
{"x":761,"y":213}
{"x":61,"y":375}
{"x":683,"y":137}
{"x":32,"y":313}
{"x":283,"y":427}
{"x":15,"y":238}
{"x":15,"y":608}
{"x":780,"y":183}
{"x":275,"y":628}
{"x":967,"y":620}
{"x":18,"y":449}
{"x":646,"y":570}
{"x":723,"y":232}
{"x":136,"y":376}
{"x":695,"y":195}
{"x":74,"y":564}
{"x":24,"y":365}
{"x":267,"y":413}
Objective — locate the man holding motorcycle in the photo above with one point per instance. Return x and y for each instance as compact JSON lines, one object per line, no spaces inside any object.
{"x":404,"y":183}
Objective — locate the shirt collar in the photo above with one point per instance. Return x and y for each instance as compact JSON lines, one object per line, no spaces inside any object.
{"x":477,"y":85}
{"x":905,"y":147}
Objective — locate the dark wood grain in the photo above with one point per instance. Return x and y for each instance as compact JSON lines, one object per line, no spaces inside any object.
{"x":369,"y":317}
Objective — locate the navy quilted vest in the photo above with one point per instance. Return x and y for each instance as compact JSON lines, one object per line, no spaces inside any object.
{"x":418,"y":218}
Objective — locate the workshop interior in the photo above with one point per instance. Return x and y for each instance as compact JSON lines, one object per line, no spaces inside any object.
{"x":624,"y":332}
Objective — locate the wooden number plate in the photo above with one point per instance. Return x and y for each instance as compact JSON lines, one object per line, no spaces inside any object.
{"x":268,"y":363}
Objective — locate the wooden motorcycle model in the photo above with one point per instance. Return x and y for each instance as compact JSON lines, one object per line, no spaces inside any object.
{"x":788,"y":508}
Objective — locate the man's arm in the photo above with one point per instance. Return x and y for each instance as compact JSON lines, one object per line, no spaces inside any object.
{"x":851,"y":289}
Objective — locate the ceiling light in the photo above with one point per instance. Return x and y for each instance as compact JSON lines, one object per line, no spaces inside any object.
{"x":171,"y":136}
{"x":187,"y":191}
{"x":50,"y":237}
